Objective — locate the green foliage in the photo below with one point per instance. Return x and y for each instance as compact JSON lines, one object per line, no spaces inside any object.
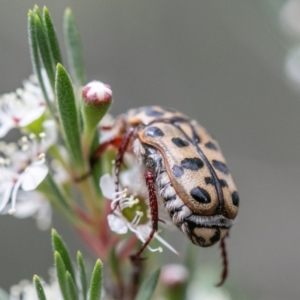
{"x":74,"y":49}
{"x":69,"y":116}
{"x":96,"y":282}
{"x":71,"y":289}
{"x":39,"y":288}
{"x":35,"y":57}
{"x":148,"y":286}
{"x":82,"y":275}
{"x":60,"y":247}
{"x":52,"y":38}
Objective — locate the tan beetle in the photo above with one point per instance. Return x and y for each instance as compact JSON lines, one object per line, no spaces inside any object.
{"x":185,"y":167}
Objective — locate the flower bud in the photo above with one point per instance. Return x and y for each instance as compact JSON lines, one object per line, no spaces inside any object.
{"x":97,"y":93}
{"x":96,"y":99}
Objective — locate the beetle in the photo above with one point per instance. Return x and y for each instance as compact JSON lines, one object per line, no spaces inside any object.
{"x":184,"y":166}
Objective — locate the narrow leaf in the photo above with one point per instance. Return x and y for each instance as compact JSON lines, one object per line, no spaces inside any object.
{"x":60,"y":272}
{"x":82,"y":273}
{"x":44,"y":48}
{"x":72,"y":289}
{"x":148,"y":286}
{"x":52,"y":37}
{"x":35,"y":58}
{"x":39,"y":288}
{"x":74,"y":49}
{"x":96,"y":282}
{"x":59,"y":246}
{"x":69,"y":116}
{"x":37,"y":11}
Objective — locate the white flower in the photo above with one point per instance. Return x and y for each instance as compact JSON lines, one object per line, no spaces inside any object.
{"x":32,"y":204}
{"x":21,"y":108}
{"x":131,"y":213}
{"x":21,"y":167}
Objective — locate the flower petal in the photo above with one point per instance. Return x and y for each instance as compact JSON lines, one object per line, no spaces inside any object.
{"x":117,"y":224}
{"x":107,"y":186}
{"x":33,"y":176}
{"x":5,"y":194}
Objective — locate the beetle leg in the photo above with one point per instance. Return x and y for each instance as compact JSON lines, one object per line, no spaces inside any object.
{"x":225,"y":262}
{"x":149,"y":177}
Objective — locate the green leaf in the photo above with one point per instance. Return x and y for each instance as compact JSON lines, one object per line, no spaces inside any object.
{"x":148,"y":286}
{"x":82,"y":273}
{"x":60,"y":272}
{"x":74,"y":49}
{"x":39,"y":288}
{"x":35,"y":58}
{"x":96,"y":282}
{"x":52,"y":38}
{"x":69,"y":116}
{"x":59,"y":246}
{"x":72,"y":289}
{"x":3,"y":295}
{"x":44,"y":48}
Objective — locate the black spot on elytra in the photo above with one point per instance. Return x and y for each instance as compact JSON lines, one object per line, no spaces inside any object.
{"x":177,"y":171}
{"x":223,"y":183}
{"x":235,"y":198}
{"x":150,"y":112}
{"x":200,"y":195}
{"x":216,"y":237}
{"x":209,"y":180}
{"x":194,"y":163}
{"x":154,"y":131}
{"x":211,"y":145}
{"x":220,"y":166}
{"x":180,"y":142}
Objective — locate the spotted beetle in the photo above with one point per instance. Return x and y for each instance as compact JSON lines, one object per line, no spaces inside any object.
{"x":183,"y":165}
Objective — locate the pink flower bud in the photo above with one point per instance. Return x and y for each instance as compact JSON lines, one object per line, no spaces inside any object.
{"x":96,"y":92}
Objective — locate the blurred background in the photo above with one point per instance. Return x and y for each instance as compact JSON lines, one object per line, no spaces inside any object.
{"x":233,"y":66}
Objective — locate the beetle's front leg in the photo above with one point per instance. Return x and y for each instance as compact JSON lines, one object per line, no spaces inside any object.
{"x":149,"y":178}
